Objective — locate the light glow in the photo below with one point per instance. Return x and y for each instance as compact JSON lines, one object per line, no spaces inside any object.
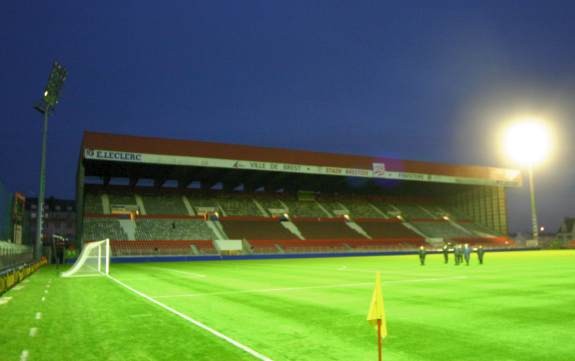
{"x":527,"y":142}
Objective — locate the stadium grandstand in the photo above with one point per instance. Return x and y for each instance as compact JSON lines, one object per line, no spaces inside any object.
{"x":153,"y":196}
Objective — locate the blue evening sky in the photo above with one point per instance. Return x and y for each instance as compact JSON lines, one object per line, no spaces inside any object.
{"x":422,"y":80}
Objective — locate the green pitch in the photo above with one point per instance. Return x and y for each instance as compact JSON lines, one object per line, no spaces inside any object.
{"x":517,"y":306}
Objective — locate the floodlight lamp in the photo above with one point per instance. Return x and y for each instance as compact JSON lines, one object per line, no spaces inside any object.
{"x":528,"y":141}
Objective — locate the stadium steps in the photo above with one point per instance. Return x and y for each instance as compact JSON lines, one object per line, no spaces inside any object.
{"x":106,"y":203}
{"x":247,"y":247}
{"x":261,"y":209}
{"x":430,"y":213}
{"x":460,"y":227}
{"x":129,"y":228}
{"x":140,"y":203}
{"x":377,"y":210}
{"x":188,"y":206}
{"x":414,"y":229}
{"x":218,"y":230}
{"x":221,"y":209}
{"x":194,"y":250}
{"x":356,"y":227}
{"x":320,"y":206}
{"x":290,"y":226}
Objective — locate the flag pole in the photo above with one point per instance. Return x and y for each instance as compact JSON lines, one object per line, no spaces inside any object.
{"x":380,"y":358}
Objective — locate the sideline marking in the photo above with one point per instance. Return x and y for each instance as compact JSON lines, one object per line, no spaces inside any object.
{"x":24,"y":355}
{"x":18,"y":288}
{"x":33,"y":331}
{"x":43,"y":299}
{"x":4,"y":300}
{"x":38,"y":315}
{"x":45,"y":291}
{"x":245,"y":348}
{"x":288,"y":289}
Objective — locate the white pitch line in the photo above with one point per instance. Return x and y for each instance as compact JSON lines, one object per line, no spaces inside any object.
{"x":288,"y":289}
{"x":45,"y":291}
{"x":5,"y":300}
{"x":237,"y":344}
{"x":33,"y":331}
{"x":38,"y":315}
{"x":24,"y":355}
{"x":43,"y":299}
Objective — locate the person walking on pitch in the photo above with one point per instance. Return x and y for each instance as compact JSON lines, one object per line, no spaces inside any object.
{"x":445,"y":253}
{"x":480,"y":253}
{"x":466,"y":253}
{"x":456,"y":255}
{"x":422,"y":255}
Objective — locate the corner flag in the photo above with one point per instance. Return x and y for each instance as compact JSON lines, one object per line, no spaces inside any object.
{"x":376,"y":313}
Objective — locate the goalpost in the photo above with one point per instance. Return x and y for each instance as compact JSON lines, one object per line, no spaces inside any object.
{"x":93,"y":261}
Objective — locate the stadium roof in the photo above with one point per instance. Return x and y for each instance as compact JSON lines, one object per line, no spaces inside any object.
{"x":114,"y":149}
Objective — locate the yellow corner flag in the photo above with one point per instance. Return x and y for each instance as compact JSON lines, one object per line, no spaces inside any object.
{"x":376,"y":310}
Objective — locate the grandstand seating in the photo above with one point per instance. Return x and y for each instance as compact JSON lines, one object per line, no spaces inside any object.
{"x":93,"y":204}
{"x":334,"y":207}
{"x":263,"y":246}
{"x":172,"y":229}
{"x":96,"y":229}
{"x":268,"y":202}
{"x":488,"y":242}
{"x":167,"y":219}
{"x":304,"y":208}
{"x":386,"y":207}
{"x":412,"y":211}
{"x":386,"y":244}
{"x":439,"y":229}
{"x":317,"y":245}
{"x":386,"y":229}
{"x":327,"y":229}
{"x":122,"y":198}
{"x":478,"y":229}
{"x":164,"y":204}
{"x":256,"y":229}
{"x":361,"y":209}
{"x":162,"y":247}
{"x":238,"y":205}
{"x":198,"y":199}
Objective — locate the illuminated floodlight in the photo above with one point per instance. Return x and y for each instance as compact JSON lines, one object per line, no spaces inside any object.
{"x":46,"y":106}
{"x":528,"y":141}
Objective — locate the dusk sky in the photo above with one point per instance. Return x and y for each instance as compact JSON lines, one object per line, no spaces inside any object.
{"x":422,"y":80}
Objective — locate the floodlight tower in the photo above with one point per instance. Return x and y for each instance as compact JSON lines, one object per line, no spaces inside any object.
{"x":46,"y":105}
{"x":528,"y":143}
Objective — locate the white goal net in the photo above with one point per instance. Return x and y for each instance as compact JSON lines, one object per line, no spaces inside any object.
{"x":93,"y":261}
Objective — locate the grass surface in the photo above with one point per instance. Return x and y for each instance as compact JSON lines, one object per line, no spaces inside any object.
{"x":517,"y":306}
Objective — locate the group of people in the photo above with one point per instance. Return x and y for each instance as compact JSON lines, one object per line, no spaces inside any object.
{"x":461,"y":252}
